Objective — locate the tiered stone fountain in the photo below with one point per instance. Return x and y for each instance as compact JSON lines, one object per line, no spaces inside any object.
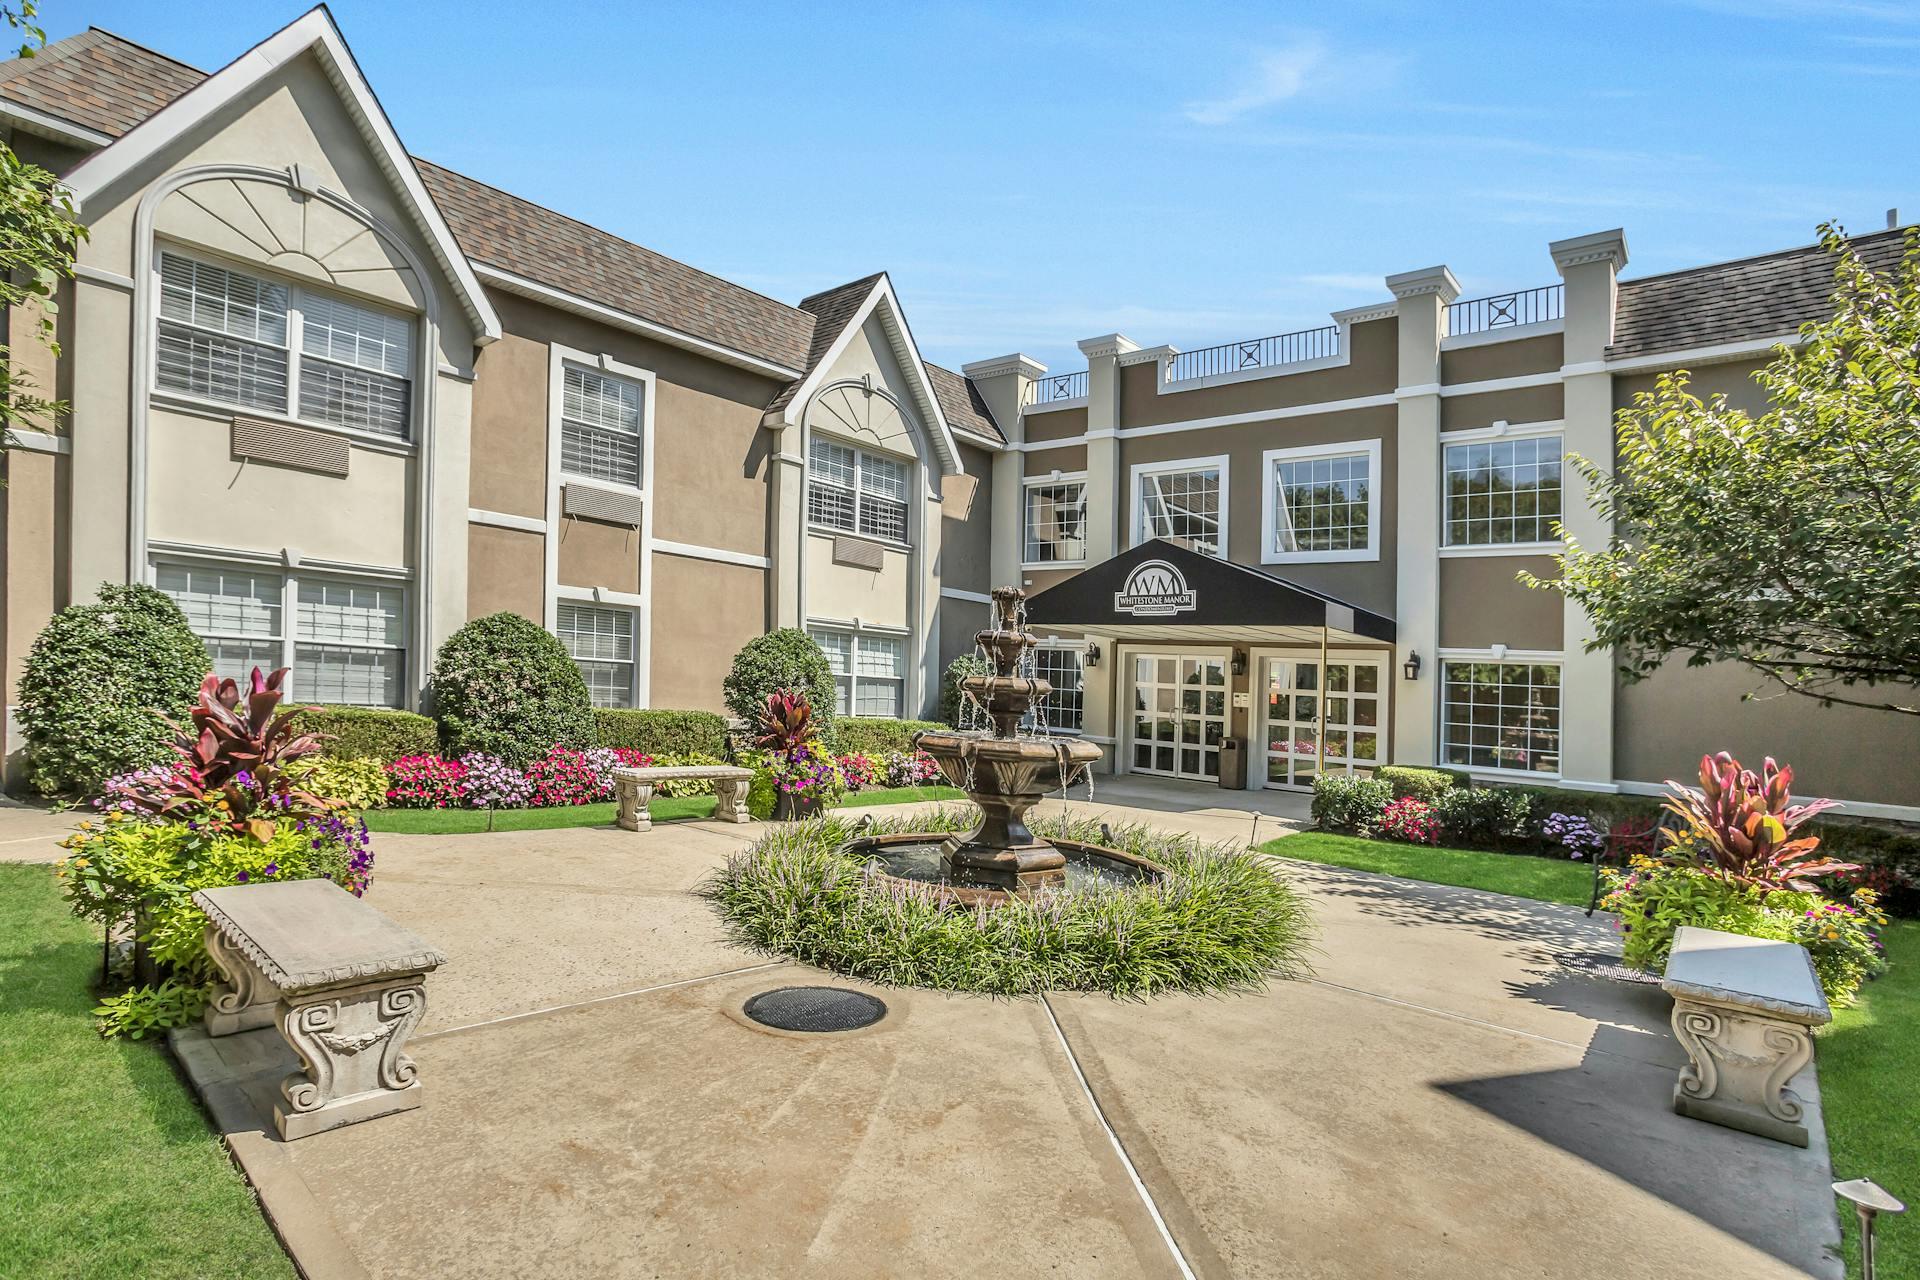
{"x":1005,"y":772}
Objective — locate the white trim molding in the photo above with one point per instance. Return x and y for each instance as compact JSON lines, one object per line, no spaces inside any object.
{"x":102,"y":276}
{"x":1506,"y":333}
{"x":1136,"y":533}
{"x":1270,"y":507}
{"x":971,"y":597}
{"x":505,"y":520}
{"x":694,"y":551}
{"x":40,"y":442}
{"x":46,"y":125}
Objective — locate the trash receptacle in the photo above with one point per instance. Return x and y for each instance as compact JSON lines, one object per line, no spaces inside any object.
{"x":1233,"y":764}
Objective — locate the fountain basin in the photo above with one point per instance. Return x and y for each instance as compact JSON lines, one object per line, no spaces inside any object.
{"x":919,"y":859}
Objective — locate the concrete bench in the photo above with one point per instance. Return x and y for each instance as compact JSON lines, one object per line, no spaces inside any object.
{"x":633,"y":788}
{"x":1742,"y":1009}
{"x":345,"y":985}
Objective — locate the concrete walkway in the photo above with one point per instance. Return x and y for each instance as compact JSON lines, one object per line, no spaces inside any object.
{"x":1456,"y":1094}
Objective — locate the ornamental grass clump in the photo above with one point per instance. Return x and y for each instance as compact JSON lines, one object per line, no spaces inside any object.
{"x":1225,"y":919}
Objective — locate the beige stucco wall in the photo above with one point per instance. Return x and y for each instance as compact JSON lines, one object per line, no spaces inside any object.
{"x":593,"y":554}
{"x":33,"y":519}
{"x":1663,"y":725}
{"x":845,"y":593}
{"x":1369,"y":583}
{"x":1370,"y":370}
{"x":702,"y":613}
{"x":1482,"y":363}
{"x":1521,"y":404}
{"x":1482,"y":603}
{"x":1058,"y":424}
{"x":966,"y":528}
{"x":1734,"y":379}
{"x":506,"y":569}
{"x":197,"y":493}
{"x":509,"y":472}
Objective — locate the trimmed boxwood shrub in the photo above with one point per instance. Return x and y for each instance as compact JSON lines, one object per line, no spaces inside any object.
{"x":783,"y":659}
{"x":504,"y":686}
{"x":370,"y":733}
{"x":1485,"y":817}
{"x":1348,"y":802}
{"x":97,"y":680}
{"x":1410,"y":783}
{"x":662,"y":733}
{"x":877,"y":735}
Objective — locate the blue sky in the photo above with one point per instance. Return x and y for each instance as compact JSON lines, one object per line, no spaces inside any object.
{"x":1034,"y":174}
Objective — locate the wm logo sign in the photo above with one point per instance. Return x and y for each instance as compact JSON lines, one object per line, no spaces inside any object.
{"x":1155,"y":589}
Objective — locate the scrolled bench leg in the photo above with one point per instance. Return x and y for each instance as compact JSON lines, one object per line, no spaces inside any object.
{"x":246,"y":999}
{"x":730,"y":800}
{"x":352,"y":1042}
{"x":1739,"y":1064}
{"x":634,"y":799}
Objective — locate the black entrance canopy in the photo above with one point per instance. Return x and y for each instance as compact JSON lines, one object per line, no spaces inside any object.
{"x":1162,"y":590}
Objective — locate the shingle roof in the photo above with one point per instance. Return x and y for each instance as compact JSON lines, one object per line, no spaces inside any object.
{"x":1768,"y":296}
{"x":962,"y":405}
{"x":831,"y":310}
{"x":97,"y":80}
{"x":522,"y":237}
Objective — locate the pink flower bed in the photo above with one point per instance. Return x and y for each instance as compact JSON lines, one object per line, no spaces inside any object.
{"x":563,"y":776}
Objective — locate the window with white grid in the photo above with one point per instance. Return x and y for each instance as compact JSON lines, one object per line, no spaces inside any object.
{"x":1503,"y":491}
{"x":1501,"y":715}
{"x":1183,"y":503}
{"x":601,"y":642}
{"x":237,"y":612}
{"x":229,"y":336}
{"x":1322,"y":503}
{"x":869,"y":671}
{"x":349,"y":643}
{"x":1056,"y":522}
{"x":1061,"y":669}
{"x":600,"y":425}
{"x":838,"y":646}
{"x":354,"y":365}
{"x":855,"y":491}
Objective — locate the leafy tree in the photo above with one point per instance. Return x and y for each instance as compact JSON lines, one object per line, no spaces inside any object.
{"x":784,"y":659}
{"x":1790,"y":542}
{"x":38,"y":236}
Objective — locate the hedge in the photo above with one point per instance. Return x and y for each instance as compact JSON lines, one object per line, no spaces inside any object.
{"x":1409,"y":782}
{"x":370,"y":733}
{"x":876,"y":735}
{"x":662,"y":733}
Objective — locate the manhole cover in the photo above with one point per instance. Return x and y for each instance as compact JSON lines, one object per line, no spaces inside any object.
{"x":814,"y":1009}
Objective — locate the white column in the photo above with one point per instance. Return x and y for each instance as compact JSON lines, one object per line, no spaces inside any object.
{"x":1590,"y":265}
{"x":1423,"y":297}
{"x":1003,"y":382}
{"x":1106,"y":493}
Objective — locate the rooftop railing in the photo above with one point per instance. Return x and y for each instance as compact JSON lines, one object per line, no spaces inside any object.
{"x":1057,"y":386}
{"x":1256,"y":353}
{"x":1506,"y":310}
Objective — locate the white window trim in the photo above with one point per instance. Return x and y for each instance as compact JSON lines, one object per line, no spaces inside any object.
{"x":1034,"y":482}
{"x":1500,"y":430}
{"x":1079,"y":650}
{"x":1137,"y":512}
{"x":856,"y":629}
{"x":626,"y":373}
{"x":418,"y":370}
{"x":912,"y":466}
{"x":291,"y":570}
{"x":1498,"y":655}
{"x":1270,"y":508}
{"x":642,"y":601}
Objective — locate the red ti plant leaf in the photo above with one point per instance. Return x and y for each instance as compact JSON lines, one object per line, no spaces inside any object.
{"x":1741,"y":825}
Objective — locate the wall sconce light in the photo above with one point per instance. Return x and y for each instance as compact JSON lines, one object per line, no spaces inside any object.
{"x":1092,"y":658}
{"x":1411,"y":667}
{"x":1239,"y":662}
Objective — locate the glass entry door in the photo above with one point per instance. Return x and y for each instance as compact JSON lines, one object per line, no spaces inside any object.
{"x":1346,"y":704}
{"x":1179,"y":715}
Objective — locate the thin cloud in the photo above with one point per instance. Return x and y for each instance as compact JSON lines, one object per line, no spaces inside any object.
{"x":1305,"y":68}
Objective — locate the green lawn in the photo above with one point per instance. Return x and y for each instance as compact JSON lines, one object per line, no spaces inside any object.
{"x":1543,"y":879}
{"x":1869,"y":1058}
{"x":110,"y":1168}
{"x":1870,"y":1083}
{"x":443,"y":822}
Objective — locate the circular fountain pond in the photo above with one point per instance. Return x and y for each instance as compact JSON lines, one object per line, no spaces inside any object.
{"x":920,"y":859}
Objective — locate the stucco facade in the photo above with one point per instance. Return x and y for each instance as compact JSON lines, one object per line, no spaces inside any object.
{"x":339,"y":401}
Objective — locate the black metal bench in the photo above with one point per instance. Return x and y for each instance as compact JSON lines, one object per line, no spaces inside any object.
{"x":1612,"y":853}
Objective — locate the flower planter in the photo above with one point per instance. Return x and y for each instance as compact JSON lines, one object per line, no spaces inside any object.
{"x":788,"y":807}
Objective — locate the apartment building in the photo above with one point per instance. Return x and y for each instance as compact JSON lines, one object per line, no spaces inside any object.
{"x":336,"y":400}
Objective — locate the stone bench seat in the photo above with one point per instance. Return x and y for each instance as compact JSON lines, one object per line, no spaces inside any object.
{"x":1742,"y":1009}
{"x":633,"y":788}
{"x":344,"y":984}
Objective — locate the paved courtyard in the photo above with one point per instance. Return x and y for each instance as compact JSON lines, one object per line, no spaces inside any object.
{"x":1455,"y":1094}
